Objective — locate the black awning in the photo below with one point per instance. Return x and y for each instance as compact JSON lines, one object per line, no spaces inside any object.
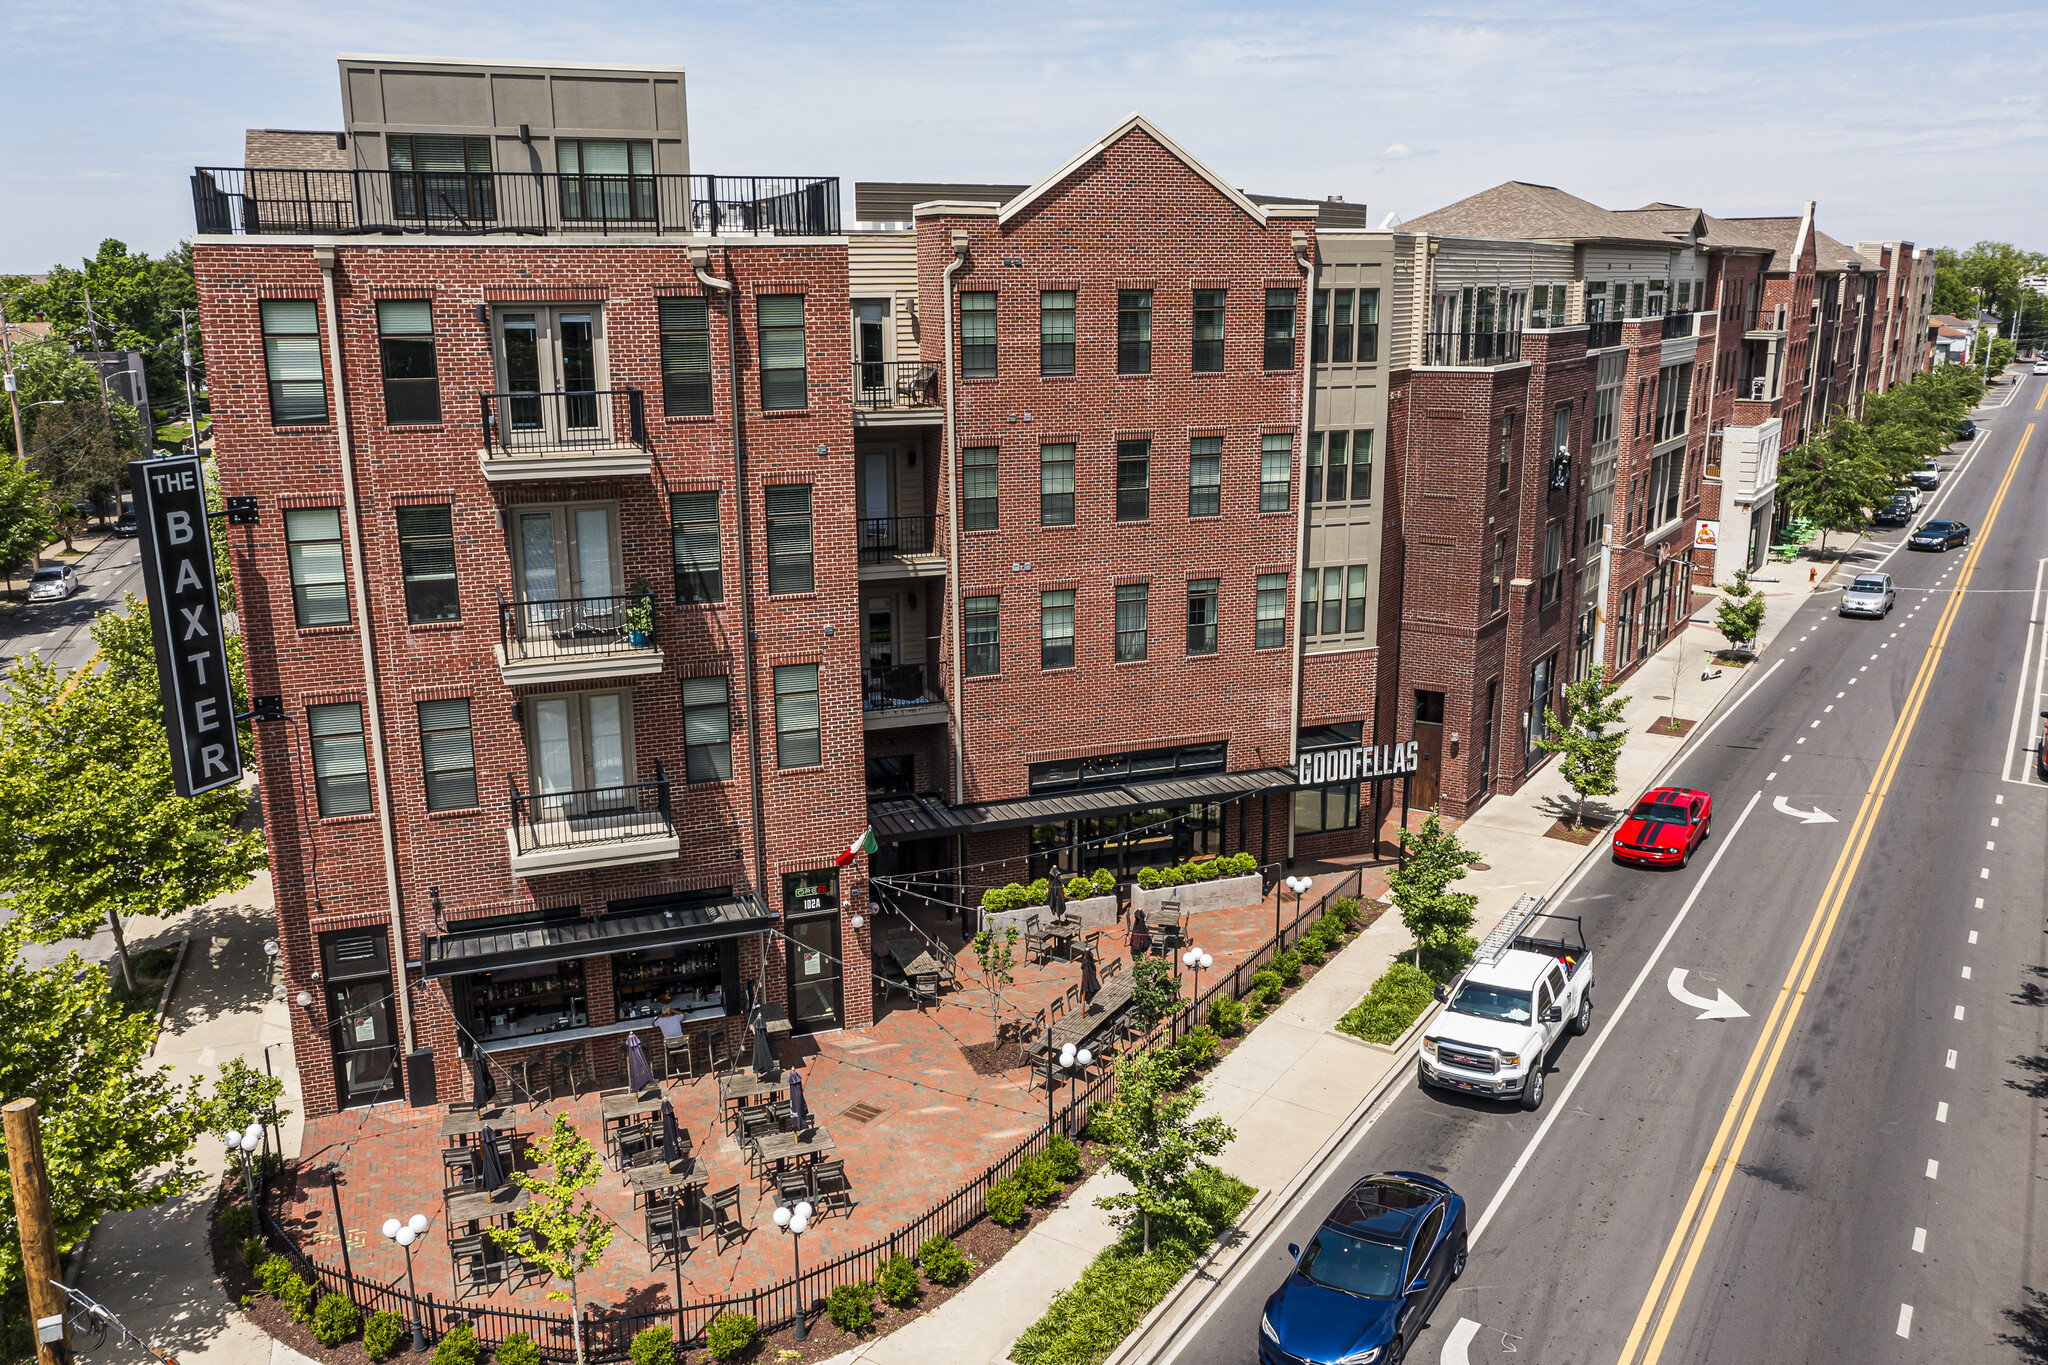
{"x":526,"y":945}
{"x":897,"y":818}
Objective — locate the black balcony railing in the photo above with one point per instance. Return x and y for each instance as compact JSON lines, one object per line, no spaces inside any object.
{"x":1764,"y":320}
{"x":1602,"y":332}
{"x":888,"y":689}
{"x":1677,"y":325}
{"x":242,"y":200}
{"x":548,"y":820}
{"x":1474,"y":348}
{"x":883,"y":538}
{"x":576,"y":628}
{"x":559,"y":423}
{"x":880,"y":385}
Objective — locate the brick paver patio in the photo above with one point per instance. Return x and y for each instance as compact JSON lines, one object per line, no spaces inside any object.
{"x":937,"y":1123}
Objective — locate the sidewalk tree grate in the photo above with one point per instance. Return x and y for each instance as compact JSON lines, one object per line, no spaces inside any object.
{"x":863,"y":1112}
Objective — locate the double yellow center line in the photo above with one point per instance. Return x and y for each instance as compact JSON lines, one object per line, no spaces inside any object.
{"x":1667,"y":1290}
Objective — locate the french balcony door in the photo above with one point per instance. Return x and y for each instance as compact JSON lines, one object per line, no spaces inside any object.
{"x":580,"y":748}
{"x":550,"y":361}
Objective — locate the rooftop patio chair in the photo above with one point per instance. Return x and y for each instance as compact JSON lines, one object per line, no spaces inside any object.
{"x":665,"y":1239}
{"x":791,"y":1185}
{"x":564,"y":1063}
{"x":1036,"y":940}
{"x":829,"y":1187}
{"x":722,"y":1212}
{"x":458,"y":1165}
{"x":675,"y":1051}
{"x":1057,"y":1009}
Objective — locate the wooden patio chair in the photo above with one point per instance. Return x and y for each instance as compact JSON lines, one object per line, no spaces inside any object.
{"x":829,"y":1187}
{"x":664,"y":1233}
{"x":722,"y":1211}
{"x":1036,"y":940}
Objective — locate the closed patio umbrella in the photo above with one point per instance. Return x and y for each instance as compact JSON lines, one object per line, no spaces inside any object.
{"x":490,"y":1169}
{"x":764,"y":1059}
{"x":485,"y":1085}
{"x":671,"y":1137}
{"x":799,"y":1112}
{"x":639,"y":1075}
{"x":1056,"y":893}
{"x":1090,"y":982}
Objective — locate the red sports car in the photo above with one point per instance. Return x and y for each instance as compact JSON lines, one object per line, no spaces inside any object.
{"x":1664,"y":828}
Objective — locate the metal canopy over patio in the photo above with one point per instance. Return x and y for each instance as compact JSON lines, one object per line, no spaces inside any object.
{"x":898,"y":817}
{"x":525,"y":945}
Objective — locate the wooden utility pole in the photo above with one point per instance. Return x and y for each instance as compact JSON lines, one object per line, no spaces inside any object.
{"x":38,"y":1232}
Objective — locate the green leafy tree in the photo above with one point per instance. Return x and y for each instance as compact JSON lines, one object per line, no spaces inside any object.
{"x":1741,"y":613}
{"x":1835,"y":479}
{"x":995,"y":951}
{"x":242,"y":1095}
{"x":91,"y":825}
{"x":25,"y":525}
{"x":1155,"y":1142}
{"x":1589,"y":735}
{"x":2000,"y":348}
{"x":1987,"y":274}
{"x":117,"y":1132}
{"x":560,"y":1228}
{"x":1440,"y":919}
{"x":83,"y":449}
{"x":1155,"y":991}
{"x":135,"y":302}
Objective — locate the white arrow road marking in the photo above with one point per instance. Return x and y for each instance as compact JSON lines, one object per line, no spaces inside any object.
{"x":1721,"y":1008}
{"x":1455,"y":1344}
{"x":1816,"y":816}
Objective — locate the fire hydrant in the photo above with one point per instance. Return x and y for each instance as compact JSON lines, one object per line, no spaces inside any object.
{"x":1813,"y":574}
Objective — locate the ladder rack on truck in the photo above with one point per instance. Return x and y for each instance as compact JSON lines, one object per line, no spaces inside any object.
{"x":1497,"y":943}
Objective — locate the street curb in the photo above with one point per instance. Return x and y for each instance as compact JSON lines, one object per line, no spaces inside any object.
{"x":1194,"y":1289}
{"x":163,"y":1001}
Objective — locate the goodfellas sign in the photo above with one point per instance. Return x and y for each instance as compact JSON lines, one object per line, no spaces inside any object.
{"x":1360,"y":763}
{"x":184,"y":613}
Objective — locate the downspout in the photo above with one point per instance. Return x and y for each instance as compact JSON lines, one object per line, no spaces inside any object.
{"x":953,"y":530}
{"x":1308,"y":372}
{"x":386,"y":831}
{"x":700,"y":256}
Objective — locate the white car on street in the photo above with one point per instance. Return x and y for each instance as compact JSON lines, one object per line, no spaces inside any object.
{"x":1520,"y":995}
{"x":1869,"y":594}
{"x":53,"y":584}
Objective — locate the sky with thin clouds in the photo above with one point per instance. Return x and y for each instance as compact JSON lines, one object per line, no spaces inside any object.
{"x":1918,"y":121}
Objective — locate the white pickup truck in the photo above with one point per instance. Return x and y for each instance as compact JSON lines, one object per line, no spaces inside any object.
{"x":1521,"y":992}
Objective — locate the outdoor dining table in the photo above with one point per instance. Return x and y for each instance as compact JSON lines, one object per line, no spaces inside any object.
{"x":467,"y":1123}
{"x":1062,"y":932}
{"x":477,"y":1205}
{"x":911,"y":953}
{"x":659,"y":1179}
{"x":776,"y":1148}
{"x":738,"y":1087}
{"x":1082,"y":1025}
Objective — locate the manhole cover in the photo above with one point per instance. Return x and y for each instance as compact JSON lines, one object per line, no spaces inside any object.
{"x":862,"y":1112}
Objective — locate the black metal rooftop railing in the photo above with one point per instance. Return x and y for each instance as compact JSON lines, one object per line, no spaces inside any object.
{"x":241,"y":200}
{"x":1474,"y":348}
{"x":1602,"y":332}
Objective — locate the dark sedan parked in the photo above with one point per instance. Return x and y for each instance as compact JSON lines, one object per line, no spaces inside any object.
{"x":1939,"y":535}
{"x":1965,"y":429}
{"x":1896,"y":512}
{"x":1371,"y":1275}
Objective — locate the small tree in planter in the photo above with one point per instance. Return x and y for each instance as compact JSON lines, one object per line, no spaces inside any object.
{"x":570,"y":1233}
{"x":640,"y":614}
{"x":1440,"y":919}
{"x":1741,"y":614}
{"x":1588,"y":736}
{"x":995,"y":950}
{"x":1154,"y":1141}
{"x":1155,"y":991}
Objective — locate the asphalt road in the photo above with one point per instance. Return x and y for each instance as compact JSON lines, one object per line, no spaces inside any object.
{"x":61,"y":632}
{"x":1851,"y":1171}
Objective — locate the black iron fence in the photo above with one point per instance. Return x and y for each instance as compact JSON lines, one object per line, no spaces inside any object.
{"x":1602,"y":332}
{"x":1474,"y":348}
{"x":250,"y":200}
{"x":608,"y":1333}
{"x":882,"y":538}
{"x":576,"y":627}
{"x":543,"y":821}
{"x":1677,"y":325}
{"x":559,"y":423}
{"x":885,"y":689}
{"x":881,"y":385}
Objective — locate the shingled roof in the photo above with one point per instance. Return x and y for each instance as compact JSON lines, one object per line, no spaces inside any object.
{"x":1778,"y":236}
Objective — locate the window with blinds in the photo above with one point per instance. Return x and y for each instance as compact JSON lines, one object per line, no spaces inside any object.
{"x":1208,"y":332}
{"x":405,"y":346}
{"x":1205,"y":476}
{"x":707,"y":728}
{"x":606,"y":178}
{"x":983,"y":621}
{"x":789,"y":538}
{"x":291,"y":361}
{"x":341,"y":765}
{"x":700,"y":575}
{"x":1276,"y":465}
{"x":782,"y":352}
{"x":1133,"y":480}
{"x":447,"y":754}
{"x":426,"y":559}
{"x":1271,"y":609}
{"x":1133,"y":607}
{"x":978,"y":334}
{"x":1202,"y":615}
{"x":796,"y":716}
{"x":978,"y":488}
{"x":1056,"y":485}
{"x":313,"y":546}
{"x":1056,"y":629}
{"x":1056,"y":331}
{"x":685,"y":357}
{"x":1134,"y":331}
{"x":1280,"y":329}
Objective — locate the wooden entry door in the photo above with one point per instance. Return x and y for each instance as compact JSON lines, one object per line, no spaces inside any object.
{"x":1425,"y":785}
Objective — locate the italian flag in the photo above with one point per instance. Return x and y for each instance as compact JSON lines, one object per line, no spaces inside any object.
{"x":865,"y":844}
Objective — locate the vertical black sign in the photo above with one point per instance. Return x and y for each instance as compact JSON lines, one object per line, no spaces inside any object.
{"x":184,"y":611}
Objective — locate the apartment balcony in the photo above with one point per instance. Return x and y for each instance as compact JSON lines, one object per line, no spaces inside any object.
{"x":581,"y":831}
{"x":1677,"y":325}
{"x":577,"y":638}
{"x":259,"y":200}
{"x":596,"y":435}
{"x":1602,"y":333}
{"x":899,"y":547}
{"x":896,"y":393}
{"x":1474,"y":348}
{"x":1764,"y":323}
{"x":901,"y":697}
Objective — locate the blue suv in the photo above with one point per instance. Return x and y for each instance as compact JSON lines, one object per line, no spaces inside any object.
{"x":1365,"y":1286}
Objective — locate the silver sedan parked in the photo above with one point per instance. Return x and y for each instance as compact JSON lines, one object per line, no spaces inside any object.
{"x":1870,"y":594}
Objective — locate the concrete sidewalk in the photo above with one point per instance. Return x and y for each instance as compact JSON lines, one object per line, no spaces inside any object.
{"x":1294,"y":1081}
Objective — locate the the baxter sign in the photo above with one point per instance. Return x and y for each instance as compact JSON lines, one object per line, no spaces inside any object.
{"x":1360,"y":763}
{"x":184,"y":611}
